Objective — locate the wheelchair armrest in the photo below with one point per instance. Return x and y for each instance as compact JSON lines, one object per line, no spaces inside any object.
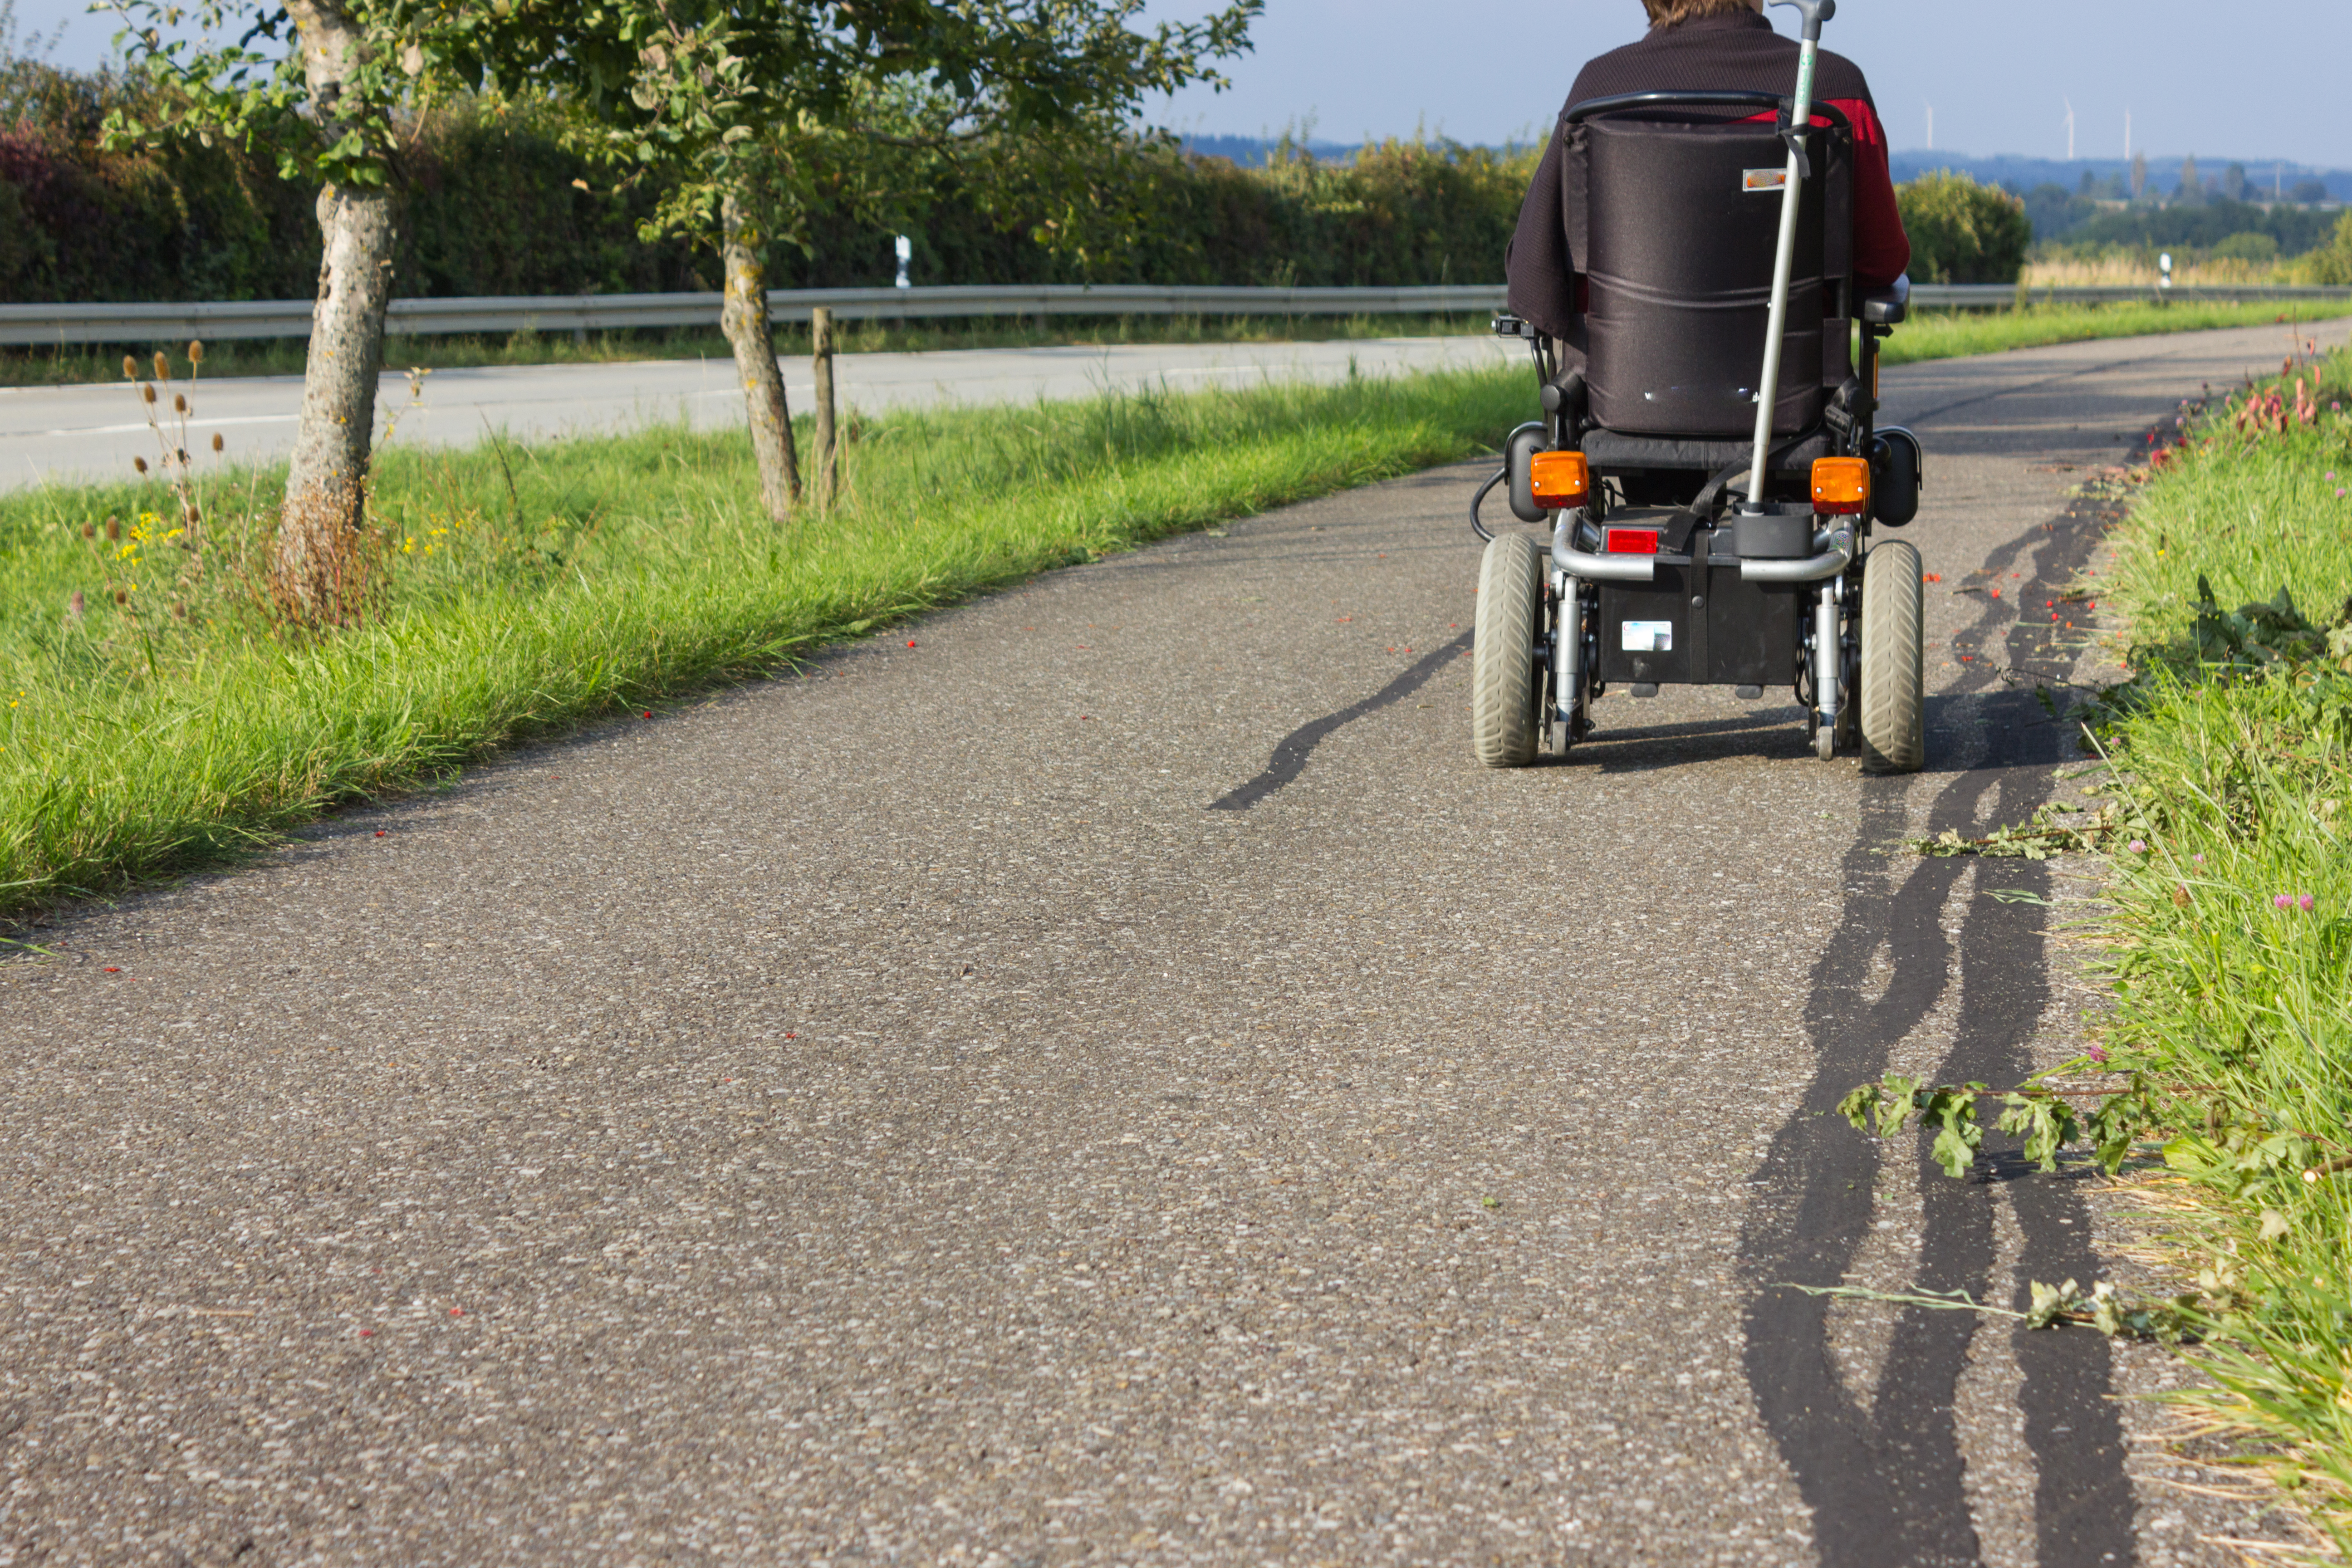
{"x":1885,"y":307}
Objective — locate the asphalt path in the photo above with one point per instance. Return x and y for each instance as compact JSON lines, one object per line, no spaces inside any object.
{"x":887,"y":1115}
{"x":63,"y":433}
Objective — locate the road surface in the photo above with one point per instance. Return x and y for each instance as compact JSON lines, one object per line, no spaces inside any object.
{"x":63,"y":433}
{"x":891,"y":1116}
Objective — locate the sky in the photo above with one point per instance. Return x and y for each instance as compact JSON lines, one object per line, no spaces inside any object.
{"x":2259,"y":83}
{"x":2254,"y":85}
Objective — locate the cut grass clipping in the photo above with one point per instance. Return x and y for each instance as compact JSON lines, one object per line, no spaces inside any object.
{"x":2233,"y":929}
{"x":155,"y":722}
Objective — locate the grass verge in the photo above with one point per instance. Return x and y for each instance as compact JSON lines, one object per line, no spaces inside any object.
{"x":1953,"y":334}
{"x":2234,"y":925}
{"x":155,"y":720}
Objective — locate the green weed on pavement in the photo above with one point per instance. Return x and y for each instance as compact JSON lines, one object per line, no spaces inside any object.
{"x":154,"y":721}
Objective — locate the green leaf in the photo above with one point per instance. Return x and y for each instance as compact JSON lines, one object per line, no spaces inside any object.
{"x":2049,"y":1303}
{"x":2190,"y":1155}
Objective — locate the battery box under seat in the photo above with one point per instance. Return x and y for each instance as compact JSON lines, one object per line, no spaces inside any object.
{"x":1696,"y":621}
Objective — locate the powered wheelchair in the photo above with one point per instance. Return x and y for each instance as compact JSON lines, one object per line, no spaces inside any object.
{"x":1712,"y":520}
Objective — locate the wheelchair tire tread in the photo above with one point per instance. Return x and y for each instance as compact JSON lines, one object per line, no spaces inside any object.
{"x":1502,"y":719}
{"x":1894,"y":630}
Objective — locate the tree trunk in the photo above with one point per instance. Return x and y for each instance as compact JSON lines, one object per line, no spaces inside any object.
{"x":320,"y":569}
{"x":744,"y":319}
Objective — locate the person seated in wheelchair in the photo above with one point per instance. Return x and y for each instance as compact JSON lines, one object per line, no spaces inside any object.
{"x":1646,"y":275}
{"x":1703,"y":267}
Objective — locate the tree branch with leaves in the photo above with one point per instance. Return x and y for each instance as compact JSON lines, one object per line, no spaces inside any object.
{"x":751,"y":113}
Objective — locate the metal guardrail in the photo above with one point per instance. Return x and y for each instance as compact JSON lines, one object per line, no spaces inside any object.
{"x":109,"y":324}
{"x":24,"y":325}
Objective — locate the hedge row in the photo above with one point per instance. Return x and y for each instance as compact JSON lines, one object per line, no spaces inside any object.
{"x":493,"y":204}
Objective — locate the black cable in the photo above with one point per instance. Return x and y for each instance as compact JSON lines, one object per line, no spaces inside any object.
{"x":1479,"y":500}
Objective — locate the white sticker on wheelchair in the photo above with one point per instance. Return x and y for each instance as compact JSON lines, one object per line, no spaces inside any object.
{"x":1764,"y":180}
{"x":1649,"y":637}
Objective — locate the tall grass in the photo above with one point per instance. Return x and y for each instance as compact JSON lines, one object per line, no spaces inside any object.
{"x":529,"y":588}
{"x":2233,"y":923}
{"x":1952,"y":334}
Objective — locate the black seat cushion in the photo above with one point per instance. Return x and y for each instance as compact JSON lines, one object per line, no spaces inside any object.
{"x":1611,"y":451}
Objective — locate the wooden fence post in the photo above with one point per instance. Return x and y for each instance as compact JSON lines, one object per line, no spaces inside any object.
{"x":828,"y":451}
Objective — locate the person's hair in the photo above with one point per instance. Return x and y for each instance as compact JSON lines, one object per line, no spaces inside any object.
{"x":1669,"y":12}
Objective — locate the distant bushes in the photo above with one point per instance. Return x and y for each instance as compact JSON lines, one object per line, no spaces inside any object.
{"x":2199,"y":226}
{"x":1962,"y":232}
{"x":2332,"y":263}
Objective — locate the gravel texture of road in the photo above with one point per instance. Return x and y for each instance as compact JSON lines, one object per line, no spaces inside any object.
{"x":77,"y":434}
{"x":887,"y":1115}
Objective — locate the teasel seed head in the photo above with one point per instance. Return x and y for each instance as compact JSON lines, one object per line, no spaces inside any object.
{"x":147,"y":391}
{"x":140,"y":463}
{"x":74,"y":605}
{"x":129,"y":368}
{"x":162,"y":367}
{"x":180,"y":610}
{"x":196,"y":352}
{"x":123,"y":595}
{"x":115,"y":527}
{"x":216,"y":441}
{"x":179,"y":403}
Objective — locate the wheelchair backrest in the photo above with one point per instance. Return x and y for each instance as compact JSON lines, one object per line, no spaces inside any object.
{"x":1674,"y":215}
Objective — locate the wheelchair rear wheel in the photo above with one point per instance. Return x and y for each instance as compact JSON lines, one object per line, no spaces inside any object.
{"x":1505,"y":682}
{"x":1893,"y":717}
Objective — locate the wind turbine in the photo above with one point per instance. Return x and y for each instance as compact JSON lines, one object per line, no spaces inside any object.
{"x":2070,"y":130}
{"x":1931,"y":125}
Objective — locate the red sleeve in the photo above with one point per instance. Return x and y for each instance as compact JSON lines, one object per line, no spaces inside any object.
{"x":1882,"y":251}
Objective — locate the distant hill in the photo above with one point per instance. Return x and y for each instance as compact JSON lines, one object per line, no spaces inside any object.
{"x":1250,"y":152}
{"x":2267,"y":179}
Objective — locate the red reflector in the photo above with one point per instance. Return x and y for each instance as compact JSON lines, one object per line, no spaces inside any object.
{"x":1632,"y":541}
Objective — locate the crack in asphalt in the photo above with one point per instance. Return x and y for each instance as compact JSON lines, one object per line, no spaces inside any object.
{"x":1888,"y":1484}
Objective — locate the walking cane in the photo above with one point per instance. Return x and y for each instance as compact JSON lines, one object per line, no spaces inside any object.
{"x":1815,"y":12}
